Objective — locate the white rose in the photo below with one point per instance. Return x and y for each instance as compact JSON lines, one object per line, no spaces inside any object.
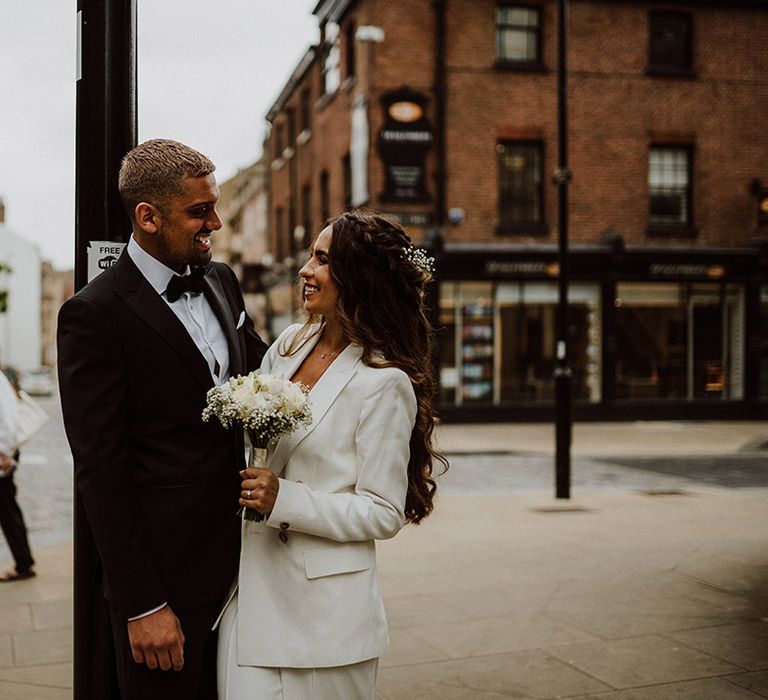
{"x":259,"y":401}
{"x":242,"y":394}
{"x":294,"y":398}
{"x":274,"y":384}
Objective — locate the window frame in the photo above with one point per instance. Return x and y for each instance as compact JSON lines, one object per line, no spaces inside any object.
{"x":280,"y":233}
{"x":667,"y":69}
{"x":684,"y":228}
{"x":346,"y":171}
{"x":350,"y":51}
{"x":305,"y":109}
{"x":531,"y":226}
{"x":508,"y":63}
{"x":306,"y":213}
{"x":279,"y":143}
{"x":290,"y":126}
{"x":324,"y":186}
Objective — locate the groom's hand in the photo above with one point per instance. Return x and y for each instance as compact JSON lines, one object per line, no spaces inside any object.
{"x":259,"y":489}
{"x":157,"y":640}
{"x":7,"y":463}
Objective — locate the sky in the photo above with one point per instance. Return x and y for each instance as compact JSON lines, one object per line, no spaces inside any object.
{"x":208,"y":73}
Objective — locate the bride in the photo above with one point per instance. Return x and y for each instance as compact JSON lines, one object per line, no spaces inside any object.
{"x":307,"y":620}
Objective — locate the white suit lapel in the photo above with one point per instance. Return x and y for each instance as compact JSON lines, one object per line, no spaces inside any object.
{"x":323,"y":394}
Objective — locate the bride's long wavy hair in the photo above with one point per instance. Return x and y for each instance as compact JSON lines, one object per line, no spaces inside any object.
{"x":381,"y":309}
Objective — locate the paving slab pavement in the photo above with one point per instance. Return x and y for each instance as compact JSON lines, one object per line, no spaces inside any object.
{"x":643,"y":586}
{"x":595,"y":439}
{"x":625,"y":595}
{"x":36,"y":630}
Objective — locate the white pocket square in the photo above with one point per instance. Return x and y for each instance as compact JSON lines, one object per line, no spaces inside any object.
{"x":240,"y":321}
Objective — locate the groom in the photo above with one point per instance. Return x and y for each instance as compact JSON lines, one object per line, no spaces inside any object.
{"x":139,"y":347}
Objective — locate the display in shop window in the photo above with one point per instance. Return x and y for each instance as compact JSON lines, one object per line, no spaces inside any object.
{"x":477,"y":353}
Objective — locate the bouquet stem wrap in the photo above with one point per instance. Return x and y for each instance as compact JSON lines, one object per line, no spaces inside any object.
{"x":257,"y":457}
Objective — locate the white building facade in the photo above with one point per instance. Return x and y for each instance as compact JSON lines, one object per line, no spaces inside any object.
{"x":20,"y":321}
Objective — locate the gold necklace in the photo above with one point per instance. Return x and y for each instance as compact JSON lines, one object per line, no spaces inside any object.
{"x":332,"y":353}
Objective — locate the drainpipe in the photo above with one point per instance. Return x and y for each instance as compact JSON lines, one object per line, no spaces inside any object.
{"x":440,"y":93}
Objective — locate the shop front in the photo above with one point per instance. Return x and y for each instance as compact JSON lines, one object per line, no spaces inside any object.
{"x":652,"y":333}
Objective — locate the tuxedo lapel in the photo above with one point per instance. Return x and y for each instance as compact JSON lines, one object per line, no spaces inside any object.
{"x":214,"y":293}
{"x":322,"y":396}
{"x":148,"y":306}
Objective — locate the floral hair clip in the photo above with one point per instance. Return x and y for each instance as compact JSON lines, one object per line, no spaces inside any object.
{"x":419,"y":258}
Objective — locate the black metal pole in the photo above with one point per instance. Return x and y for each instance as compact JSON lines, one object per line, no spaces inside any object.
{"x":105,"y":122}
{"x":562,"y":178}
{"x":105,"y":131}
{"x":440,"y":98}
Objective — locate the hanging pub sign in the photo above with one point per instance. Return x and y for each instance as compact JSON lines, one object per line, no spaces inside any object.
{"x":403,"y":143}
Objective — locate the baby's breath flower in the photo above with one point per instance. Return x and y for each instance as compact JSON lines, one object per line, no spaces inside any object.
{"x":266,"y":405}
{"x":419,"y":258}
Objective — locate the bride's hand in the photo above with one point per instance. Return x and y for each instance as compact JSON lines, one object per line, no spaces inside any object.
{"x":259,"y":489}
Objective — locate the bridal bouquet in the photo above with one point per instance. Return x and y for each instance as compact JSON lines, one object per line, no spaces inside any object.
{"x":267,"y":406}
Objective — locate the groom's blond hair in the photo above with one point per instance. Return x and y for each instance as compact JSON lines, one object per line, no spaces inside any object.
{"x":154,"y":171}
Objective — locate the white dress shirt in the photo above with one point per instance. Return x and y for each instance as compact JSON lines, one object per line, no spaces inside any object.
{"x":193,"y":310}
{"x":196,"y":314}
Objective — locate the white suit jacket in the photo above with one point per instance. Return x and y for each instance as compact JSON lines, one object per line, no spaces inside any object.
{"x":308,"y":590}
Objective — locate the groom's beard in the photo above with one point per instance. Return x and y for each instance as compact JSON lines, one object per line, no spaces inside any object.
{"x":176,"y":259}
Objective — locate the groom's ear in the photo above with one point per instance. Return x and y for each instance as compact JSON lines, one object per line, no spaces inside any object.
{"x":146,"y":217}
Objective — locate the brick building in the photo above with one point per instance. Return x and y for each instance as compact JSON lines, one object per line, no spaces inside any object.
{"x":444,"y":114}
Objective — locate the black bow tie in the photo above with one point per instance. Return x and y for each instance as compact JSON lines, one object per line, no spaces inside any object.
{"x":192,"y":283}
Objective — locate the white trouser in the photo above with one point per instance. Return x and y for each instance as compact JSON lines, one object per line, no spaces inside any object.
{"x":352,"y":682}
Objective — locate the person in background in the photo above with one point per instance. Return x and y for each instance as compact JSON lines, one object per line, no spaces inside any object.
{"x":11,"y":518}
{"x":307,"y":621}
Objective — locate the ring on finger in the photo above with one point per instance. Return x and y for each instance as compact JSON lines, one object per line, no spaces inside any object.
{"x":250,"y":491}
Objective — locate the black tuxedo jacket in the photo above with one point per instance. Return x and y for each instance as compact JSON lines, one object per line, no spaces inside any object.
{"x":159,"y":486}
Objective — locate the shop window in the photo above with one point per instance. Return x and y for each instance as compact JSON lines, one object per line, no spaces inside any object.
{"x":498,"y":343}
{"x":331,"y":70}
{"x":518,"y":36}
{"x":763,"y":344}
{"x":669,"y":43}
{"x":467,"y":345}
{"x":651,"y":329}
{"x":669,"y":187}
{"x":679,"y":341}
{"x":527,"y":314}
{"x":519,"y":166}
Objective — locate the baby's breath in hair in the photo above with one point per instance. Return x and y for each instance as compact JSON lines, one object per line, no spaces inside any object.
{"x":419,"y":258}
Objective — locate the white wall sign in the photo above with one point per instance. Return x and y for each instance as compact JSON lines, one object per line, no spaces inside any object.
{"x":102,"y":255}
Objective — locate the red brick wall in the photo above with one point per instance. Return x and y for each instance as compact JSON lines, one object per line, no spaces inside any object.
{"x":615,"y":110}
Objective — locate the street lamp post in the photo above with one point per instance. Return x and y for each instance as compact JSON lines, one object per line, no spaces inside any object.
{"x":105,"y":131}
{"x":562,"y":179}
{"x":105,"y":122}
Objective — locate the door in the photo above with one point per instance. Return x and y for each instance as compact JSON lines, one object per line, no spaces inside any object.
{"x":706,"y":365}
